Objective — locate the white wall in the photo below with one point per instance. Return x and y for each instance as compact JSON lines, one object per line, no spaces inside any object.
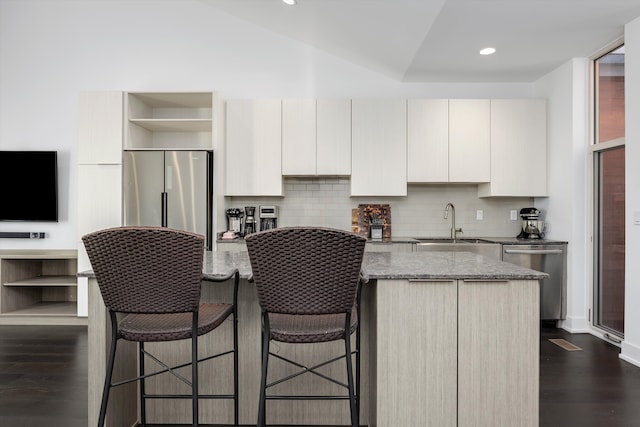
{"x":566,"y":89}
{"x":51,"y":50}
{"x":631,"y":343}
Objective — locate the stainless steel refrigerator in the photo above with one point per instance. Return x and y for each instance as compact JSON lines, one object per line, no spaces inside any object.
{"x":170,"y":189}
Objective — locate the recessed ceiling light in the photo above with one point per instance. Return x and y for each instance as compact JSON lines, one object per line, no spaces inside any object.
{"x":488,"y":51}
{"x":290,"y":2}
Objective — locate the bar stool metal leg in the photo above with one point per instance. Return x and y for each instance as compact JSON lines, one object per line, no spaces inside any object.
{"x":236,"y":408}
{"x":262,"y":410}
{"x":143,"y":392}
{"x":194,"y":368}
{"x":352,"y":398}
{"x":109,"y":373}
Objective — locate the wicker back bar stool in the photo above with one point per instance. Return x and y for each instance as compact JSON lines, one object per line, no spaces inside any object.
{"x":150,"y":279}
{"x":308,"y":285}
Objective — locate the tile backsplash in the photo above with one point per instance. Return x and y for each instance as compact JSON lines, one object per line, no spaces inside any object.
{"x":326,"y":202}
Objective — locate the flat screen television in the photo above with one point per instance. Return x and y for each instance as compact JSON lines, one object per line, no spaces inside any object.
{"x":29,"y":186}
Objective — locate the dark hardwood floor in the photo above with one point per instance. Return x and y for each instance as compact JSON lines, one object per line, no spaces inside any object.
{"x":43,"y":380}
{"x":592,"y":387}
{"x":43,"y":376}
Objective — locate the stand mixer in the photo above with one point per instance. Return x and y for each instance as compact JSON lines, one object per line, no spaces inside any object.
{"x":532,"y":225}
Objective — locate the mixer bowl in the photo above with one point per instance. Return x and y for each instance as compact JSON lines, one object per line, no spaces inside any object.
{"x":533,"y":226}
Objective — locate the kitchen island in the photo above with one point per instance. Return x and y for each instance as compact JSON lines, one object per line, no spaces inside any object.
{"x":449,"y":339}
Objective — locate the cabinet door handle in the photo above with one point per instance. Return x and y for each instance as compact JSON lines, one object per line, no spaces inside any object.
{"x":487,"y":280}
{"x":430,"y":280}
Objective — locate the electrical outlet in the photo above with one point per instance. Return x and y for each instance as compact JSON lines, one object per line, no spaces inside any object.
{"x":479,"y":215}
{"x":514,"y":215}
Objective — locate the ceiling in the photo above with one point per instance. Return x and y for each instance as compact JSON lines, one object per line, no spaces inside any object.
{"x":439,"y":40}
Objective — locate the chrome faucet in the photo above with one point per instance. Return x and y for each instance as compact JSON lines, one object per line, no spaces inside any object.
{"x":454,"y":230}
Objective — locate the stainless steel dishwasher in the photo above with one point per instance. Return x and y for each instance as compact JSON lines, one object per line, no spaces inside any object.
{"x":549,"y":258}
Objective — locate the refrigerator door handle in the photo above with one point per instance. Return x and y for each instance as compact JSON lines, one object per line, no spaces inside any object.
{"x":169,"y":177}
{"x":163,"y":209}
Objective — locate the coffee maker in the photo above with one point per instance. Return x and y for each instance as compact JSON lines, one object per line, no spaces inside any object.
{"x":249,"y":220}
{"x":268,"y":217}
{"x":532,"y":225}
{"x":234,"y":220}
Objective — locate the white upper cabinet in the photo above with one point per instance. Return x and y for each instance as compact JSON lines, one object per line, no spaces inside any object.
{"x":99,"y":184}
{"x":299,"y":136}
{"x":333,"y":137}
{"x":518,"y":149}
{"x":99,"y":192}
{"x":448,"y":140}
{"x":100,"y":128}
{"x":175,"y":121}
{"x":385,"y":144}
{"x":379,"y":148}
{"x":469,"y":140}
{"x":253,"y":165}
{"x":428,"y":140}
{"x":316,"y":137}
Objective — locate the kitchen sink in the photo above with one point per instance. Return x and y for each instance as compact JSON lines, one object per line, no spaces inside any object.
{"x":477,"y":241}
{"x":478,"y":246}
{"x":444,"y":240}
{"x":439,"y":241}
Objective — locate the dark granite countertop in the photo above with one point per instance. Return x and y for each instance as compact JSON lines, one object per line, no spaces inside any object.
{"x":393,"y":239}
{"x":392,"y":265}
{"x":443,"y":265}
{"x":386,"y":240}
{"x":403,"y":239}
{"x":501,"y":240}
{"x":399,"y":265}
{"x":516,"y":241}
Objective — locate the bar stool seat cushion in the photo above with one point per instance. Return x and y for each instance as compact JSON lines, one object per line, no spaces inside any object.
{"x":295,"y":328}
{"x":175,"y":326}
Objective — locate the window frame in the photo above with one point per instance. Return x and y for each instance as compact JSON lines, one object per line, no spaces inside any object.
{"x":594,"y":149}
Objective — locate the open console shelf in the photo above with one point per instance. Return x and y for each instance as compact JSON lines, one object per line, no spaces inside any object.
{"x":39,"y":287}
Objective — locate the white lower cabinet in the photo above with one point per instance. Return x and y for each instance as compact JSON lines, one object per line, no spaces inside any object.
{"x":416,"y":349}
{"x":498,"y":353}
{"x":457,"y":353}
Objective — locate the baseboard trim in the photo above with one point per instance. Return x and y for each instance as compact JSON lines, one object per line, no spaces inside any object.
{"x":630,"y":353}
{"x":575,"y":325}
